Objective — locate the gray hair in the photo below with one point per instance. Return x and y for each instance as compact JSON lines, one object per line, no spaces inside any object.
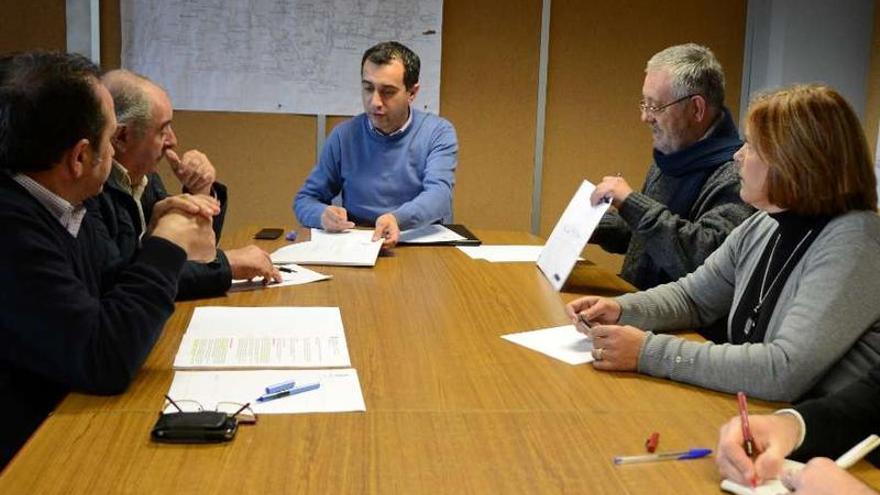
{"x":694,"y":70}
{"x":131,"y":101}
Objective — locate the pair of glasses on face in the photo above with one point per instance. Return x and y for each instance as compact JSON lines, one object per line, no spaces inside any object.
{"x":657,"y":109}
{"x":242,"y":412}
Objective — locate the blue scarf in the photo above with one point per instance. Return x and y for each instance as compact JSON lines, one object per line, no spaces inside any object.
{"x":693,"y":165}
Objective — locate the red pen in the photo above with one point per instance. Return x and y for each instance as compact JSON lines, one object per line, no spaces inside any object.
{"x":652,"y":442}
{"x":748,"y":440}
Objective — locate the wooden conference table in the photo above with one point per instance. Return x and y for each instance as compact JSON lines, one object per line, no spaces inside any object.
{"x":451,"y":407}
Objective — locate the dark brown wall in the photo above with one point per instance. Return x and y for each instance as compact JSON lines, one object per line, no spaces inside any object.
{"x":32,"y":24}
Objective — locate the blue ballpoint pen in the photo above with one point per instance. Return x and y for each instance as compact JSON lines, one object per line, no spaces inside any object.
{"x":290,"y":391}
{"x":663,"y":456}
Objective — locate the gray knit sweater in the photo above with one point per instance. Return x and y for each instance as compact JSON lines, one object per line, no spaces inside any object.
{"x":661,"y":246}
{"x":825,"y":328}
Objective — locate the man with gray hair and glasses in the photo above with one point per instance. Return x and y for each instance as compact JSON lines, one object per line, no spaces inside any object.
{"x":690,"y":200}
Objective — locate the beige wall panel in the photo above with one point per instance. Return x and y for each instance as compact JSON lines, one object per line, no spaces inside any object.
{"x":598,"y":52}
{"x":32,"y":24}
{"x":489,"y":93}
{"x":263,"y":158}
{"x":872,"y":112}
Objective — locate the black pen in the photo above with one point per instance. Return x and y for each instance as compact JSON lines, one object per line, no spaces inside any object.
{"x":585,"y":321}
{"x":286,"y":270}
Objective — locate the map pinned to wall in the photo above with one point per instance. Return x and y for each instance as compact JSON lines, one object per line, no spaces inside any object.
{"x":277,"y":56}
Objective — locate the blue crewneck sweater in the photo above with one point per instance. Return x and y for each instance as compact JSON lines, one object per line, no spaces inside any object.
{"x":410,"y":174}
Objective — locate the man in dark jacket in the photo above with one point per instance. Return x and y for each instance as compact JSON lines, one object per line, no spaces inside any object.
{"x":144,"y":137}
{"x":690,"y":200}
{"x":65,"y":322}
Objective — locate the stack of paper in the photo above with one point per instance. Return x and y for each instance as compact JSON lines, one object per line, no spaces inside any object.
{"x":267,"y":342}
{"x":349,"y":248}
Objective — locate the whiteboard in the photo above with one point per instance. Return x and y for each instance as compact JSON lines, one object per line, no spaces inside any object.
{"x":277,"y":56}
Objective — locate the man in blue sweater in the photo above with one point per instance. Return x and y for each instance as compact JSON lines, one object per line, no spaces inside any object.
{"x":393,"y":164}
{"x":67,"y":320}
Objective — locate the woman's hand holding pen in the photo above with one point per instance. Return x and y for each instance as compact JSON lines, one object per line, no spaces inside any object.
{"x":776,"y":436}
{"x":615,"y":347}
{"x":592,"y":310}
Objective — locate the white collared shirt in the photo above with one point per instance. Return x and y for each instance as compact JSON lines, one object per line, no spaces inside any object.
{"x":402,"y":129}
{"x":70,"y":216}
{"x":120,"y":174}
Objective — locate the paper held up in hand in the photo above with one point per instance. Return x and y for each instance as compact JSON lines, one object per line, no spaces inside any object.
{"x":563,"y":343}
{"x":570,"y":235}
{"x":349,"y":248}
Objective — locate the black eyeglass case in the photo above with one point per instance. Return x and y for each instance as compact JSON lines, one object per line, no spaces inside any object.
{"x":194,"y":427}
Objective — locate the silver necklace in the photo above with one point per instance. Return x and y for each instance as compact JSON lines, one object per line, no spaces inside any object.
{"x":752,"y":320}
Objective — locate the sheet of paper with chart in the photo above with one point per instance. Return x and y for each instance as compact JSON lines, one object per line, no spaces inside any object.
{"x":570,"y":235}
{"x":291,"y":56}
{"x":225,"y":337}
{"x":339,"y":390}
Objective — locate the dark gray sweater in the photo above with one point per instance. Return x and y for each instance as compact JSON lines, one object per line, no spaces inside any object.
{"x":661,"y":246}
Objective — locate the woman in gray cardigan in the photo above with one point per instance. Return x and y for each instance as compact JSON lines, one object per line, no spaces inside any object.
{"x":800,"y":279}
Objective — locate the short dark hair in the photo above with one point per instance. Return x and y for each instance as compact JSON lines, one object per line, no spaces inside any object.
{"x":48,"y":102}
{"x":383,"y":53}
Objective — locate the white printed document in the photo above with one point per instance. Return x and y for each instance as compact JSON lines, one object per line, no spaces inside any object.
{"x":503,"y":253}
{"x":224,"y":337}
{"x":570,"y":235}
{"x":339,"y":390}
{"x":564,"y":343}
{"x":349,"y":248}
{"x":430,"y":234}
{"x":290,"y":275}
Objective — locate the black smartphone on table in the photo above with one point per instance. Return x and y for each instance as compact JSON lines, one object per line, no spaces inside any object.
{"x":268,"y":233}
